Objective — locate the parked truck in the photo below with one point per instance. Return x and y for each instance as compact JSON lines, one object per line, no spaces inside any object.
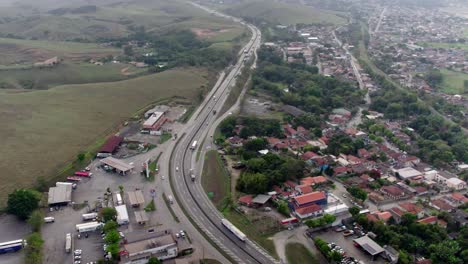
{"x":88,"y":227}
{"x":68,"y":242}
{"x":90,"y":216}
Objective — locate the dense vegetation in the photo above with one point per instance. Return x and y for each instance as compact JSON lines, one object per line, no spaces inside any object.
{"x":267,"y":170}
{"x":179,"y":48}
{"x":422,"y":239}
{"x":439,"y":141}
{"x":300,"y":85}
{"x":22,"y":202}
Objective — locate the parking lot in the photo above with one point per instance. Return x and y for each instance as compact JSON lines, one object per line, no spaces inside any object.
{"x":12,"y":229}
{"x":346,"y":243}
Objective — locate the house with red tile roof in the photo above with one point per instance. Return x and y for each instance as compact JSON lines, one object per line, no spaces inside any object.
{"x":301,"y":131}
{"x":363,"y":153}
{"x":312,"y":210}
{"x":353,"y":160}
{"x":397,"y":213}
{"x":246,"y":200}
{"x":441,"y":205}
{"x":340,"y":171}
{"x":289,"y":132}
{"x":290,"y":184}
{"x":309,"y":155}
{"x":459,"y":198}
{"x":393,"y":191}
{"x":280,"y":146}
{"x":412,"y":209}
{"x":383,"y":216}
{"x":272,"y":141}
{"x":432,"y":220}
{"x":319,"y":198}
{"x":304,"y":189}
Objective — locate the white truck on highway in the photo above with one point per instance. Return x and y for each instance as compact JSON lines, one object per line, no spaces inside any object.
{"x":68,"y":242}
{"x":234,"y":230}
{"x":194,"y":145}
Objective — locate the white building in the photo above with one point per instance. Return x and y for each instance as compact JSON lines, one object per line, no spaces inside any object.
{"x":455,"y":183}
{"x":407,"y":173}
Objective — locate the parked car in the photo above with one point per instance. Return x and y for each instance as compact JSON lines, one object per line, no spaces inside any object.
{"x":348,"y":233}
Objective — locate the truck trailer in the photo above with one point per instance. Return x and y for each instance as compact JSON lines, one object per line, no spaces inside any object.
{"x":90,"y":216}
{"x":68,"y":242}
{"x":88,"y":227}
{"x":122,"y":215}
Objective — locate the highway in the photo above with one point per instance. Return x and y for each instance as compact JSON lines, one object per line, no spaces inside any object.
{"x":190,"y":194}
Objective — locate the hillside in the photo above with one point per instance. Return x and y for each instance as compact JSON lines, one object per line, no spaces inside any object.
{"x":282,"y":13}
{"x":43,"y":130}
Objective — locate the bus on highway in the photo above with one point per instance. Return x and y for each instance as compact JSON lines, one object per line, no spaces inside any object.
{"x":12,"y":246}
{"x":194,"y":145}
{"x":234,"y":230}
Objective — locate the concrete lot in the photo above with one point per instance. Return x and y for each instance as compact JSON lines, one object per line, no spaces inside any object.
{"x":12,"y":229}
{"x":347,"y":244}
{"x":92,"y":190}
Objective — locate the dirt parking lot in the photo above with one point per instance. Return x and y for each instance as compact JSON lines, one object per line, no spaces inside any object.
{"x":347,"y":244}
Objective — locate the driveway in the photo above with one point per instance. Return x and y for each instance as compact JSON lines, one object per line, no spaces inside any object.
{"x":296,"y":235}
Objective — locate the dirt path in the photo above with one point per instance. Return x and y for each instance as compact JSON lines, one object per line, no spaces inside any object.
{"x":235,"y":174}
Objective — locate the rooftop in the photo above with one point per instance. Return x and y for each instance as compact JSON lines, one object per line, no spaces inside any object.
{"x":261,"y":199}
{"x":408,"y":172}
{"x":310,"y":197}
{"x":117,"y":164}
{"x":111,"y":144}
{"x":60,"y":194}
{"x":136,"y":197}
{"x":369,"y":245}
{"x":139,"y":246}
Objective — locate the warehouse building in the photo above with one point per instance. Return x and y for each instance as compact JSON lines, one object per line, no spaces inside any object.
{"x":369,"y":245}
{"x":139,"y":246}
{"x":60,"y":194}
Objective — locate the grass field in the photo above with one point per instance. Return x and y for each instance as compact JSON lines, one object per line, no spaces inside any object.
{"x":43,"y":131}
{"x":215,"y":178}
{"x":26,"y":52}
{"x":463,"y":46}
{"x":259,"y":230}
{"x":282,"y":13}
{"x":297,"y":253}
{"x":453,"y":82}
{"x":66,"y":73}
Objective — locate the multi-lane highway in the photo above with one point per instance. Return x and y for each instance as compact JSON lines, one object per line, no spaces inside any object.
{"x":190,"y":194}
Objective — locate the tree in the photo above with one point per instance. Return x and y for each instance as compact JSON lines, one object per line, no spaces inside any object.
{"x":108,"y":213}
{"x":22,"y":202}
{"x":328,"y":218}
{"x":109,"y":226}
{"x":404,"y":258}
{"x":112,"y":237}
{"x":354,"y":211}
{"x":445,"y":252}
{"x":34,"y":249}
{"x":358,"y":193}
{"x":80,"y":157}
{"x":154,"y":260}
{"x":114,"y":250}
{"x":36,"y":219}
{"x":283,"y":208}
